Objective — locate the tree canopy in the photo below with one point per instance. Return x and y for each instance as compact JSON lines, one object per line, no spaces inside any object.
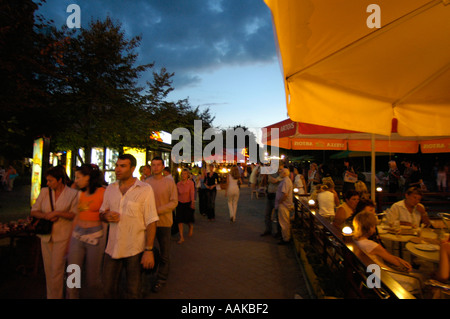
{"x":81,"y":86}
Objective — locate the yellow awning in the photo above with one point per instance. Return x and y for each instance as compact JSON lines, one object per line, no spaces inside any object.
{"x":340,"y":73}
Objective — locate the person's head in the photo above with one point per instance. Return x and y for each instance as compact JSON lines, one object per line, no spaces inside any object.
{"x":361,"y":187}
{"x":364,"y":224}
{"x":415,"y":166}
{"x":125,"y":166}
{"x":351,"y":197}
{"x":235,"y":172}
{"x":157,"y":165}
{"x":56,"y":177}
{"x":365,"y":205}
{"x":89,"y":177}
{"x":296,"y":171}
{"x":285,"y":172}
{"x":327,"y":185}
{"x":146,"y":170}
{"x":166,"y":171}
{"x":185,"y":174}
{"x":413,"y":196}
{"x":392,"y":164}
{"x":211,"y":168}
{"x":347,"y":163}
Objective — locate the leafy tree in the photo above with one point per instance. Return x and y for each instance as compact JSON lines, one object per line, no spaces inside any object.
{"x":27,"y":67}
{"x":98,"y":91}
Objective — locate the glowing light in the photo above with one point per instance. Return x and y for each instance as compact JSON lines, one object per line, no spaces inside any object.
{"x":295,"y":190}
{"x":347,"y":231}
{"x":379,"y":189}
{"x":311,"y":202}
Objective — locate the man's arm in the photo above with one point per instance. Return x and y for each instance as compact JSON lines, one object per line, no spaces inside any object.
{"x":148,"y":258}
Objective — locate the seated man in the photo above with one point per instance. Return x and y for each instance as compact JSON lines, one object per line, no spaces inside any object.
{"x":409,"y":211}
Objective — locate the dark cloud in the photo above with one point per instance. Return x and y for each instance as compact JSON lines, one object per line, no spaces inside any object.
{"x":185,"y":36}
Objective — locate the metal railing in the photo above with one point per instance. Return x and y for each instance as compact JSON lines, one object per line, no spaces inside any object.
{"x":346,"y":263}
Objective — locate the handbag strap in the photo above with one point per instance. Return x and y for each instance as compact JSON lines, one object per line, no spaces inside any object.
{"x":50,"y":196}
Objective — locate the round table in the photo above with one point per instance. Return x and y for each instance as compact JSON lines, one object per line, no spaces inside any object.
{"x":400,"y":239}
{"x":432,"y":256}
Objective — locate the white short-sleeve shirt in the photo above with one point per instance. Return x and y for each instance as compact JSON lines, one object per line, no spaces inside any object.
{"x":398,"y":211}
{"x":137,"y":210}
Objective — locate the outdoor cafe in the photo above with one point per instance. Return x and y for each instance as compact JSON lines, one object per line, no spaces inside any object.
{"x":337,"y":268}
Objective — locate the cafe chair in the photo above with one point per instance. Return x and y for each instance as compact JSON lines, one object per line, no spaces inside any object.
{"x":445,"y":217}
{"x":440,"y":290}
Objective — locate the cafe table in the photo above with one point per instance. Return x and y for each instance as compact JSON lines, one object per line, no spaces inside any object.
{"x":401,"y":237}
{"x":425,"y":251}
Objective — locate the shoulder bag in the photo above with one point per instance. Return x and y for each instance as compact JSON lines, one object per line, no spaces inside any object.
{"x":43,"y":226}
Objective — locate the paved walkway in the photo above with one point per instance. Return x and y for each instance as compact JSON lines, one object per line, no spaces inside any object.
{"x":222,"y":260}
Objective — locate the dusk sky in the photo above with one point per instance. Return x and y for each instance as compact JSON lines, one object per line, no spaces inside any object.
{"x":222,"y":51}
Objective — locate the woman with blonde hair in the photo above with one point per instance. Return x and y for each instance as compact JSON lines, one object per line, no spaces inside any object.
{"x":232,"y":191}
{"x":361,"y":188}
{"x":328,"y":199}
{"x":364,"y":225}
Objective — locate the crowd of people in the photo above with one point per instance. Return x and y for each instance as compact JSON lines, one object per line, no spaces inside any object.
{"x":115,"y":228}
{"x":355,"y":208}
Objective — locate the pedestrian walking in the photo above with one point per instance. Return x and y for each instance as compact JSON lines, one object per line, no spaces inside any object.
{"x":232,"y":191}
{"x":166,"y":199}
{"x":186,"y":204}
{"x":129,"y":208}
{"x":211,"y":182}
{"x":273,"y":182}
{"x":284,"y":204}
{"x":87,"y":245}
{"x":56,"y":203}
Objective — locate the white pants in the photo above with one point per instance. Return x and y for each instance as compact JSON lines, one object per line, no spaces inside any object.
{"x":284,"y":218}
{"x":54,"y":257}
{"x":233,"y":198}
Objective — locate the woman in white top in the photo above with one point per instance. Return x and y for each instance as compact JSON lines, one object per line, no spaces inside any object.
{"x":299,"y":181}
{"x":232,"y":191}
{"x":54,"y":245}
{"x":328,"y":199}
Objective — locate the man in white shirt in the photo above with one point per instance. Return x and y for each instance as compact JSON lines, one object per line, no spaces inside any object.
{"x":129,"y":208}
{"x":284,"y":204}
{"x":410,"y":211}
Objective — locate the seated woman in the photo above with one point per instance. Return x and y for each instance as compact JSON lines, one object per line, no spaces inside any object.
{"x":364,"y":225}
{"x":409,"y":211}
{"x":365,"y":205}
{"x":347,"y":208}
{"x":328,"y":199}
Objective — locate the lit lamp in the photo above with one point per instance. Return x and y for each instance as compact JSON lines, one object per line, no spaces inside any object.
{"x":311,"y":202}
{"x":379,"y":189}
{"x":296,"y":190}
{"x":347,"y":232}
